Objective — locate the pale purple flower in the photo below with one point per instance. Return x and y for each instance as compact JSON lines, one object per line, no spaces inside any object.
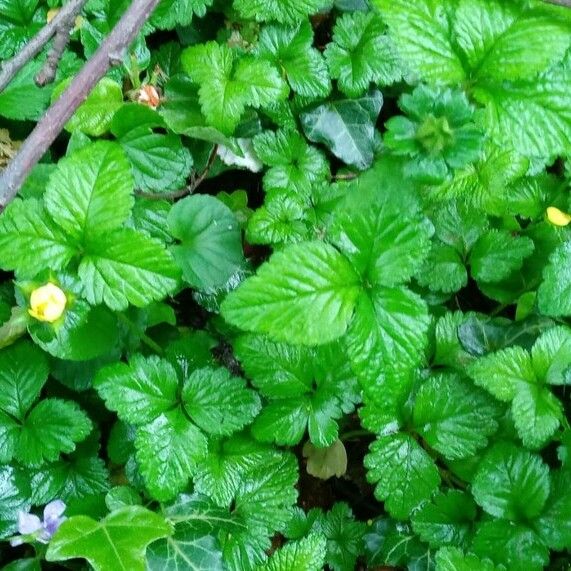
{"x":30,"y":526}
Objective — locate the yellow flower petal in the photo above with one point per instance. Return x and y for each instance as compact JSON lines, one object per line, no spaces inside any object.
{"x":558,"y":217}
{"x":47,"y":303}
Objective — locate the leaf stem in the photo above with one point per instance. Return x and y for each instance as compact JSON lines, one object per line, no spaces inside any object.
{"x":145,"y":339}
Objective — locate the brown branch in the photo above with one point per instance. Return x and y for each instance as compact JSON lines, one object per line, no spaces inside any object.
{"x":50,"y":125}
{"x":12,"y":66}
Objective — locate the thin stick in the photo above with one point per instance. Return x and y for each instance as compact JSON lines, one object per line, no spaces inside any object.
{"x":12,"y":66}
{"x":566,"y":3}
{"x":110,"y":52}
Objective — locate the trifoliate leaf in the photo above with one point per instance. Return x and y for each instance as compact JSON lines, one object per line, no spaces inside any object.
{"x":294,"y":165}
{"x":497,"y":254}
{"x":453,"y":559}
{"x":117,"y":542}
{"x":211,"y":247}
{"x":361,"y":53}
{"x":404,"y":474}
{"x":124,"y":267}
{"x":228,"y":85}
{"x":422,"y":34}
{"x":304,"y":294}
{"x":454,"y":417}
{"x":447,"y":520}
{"x":554,"y":294}
{"x":285,"y":11}
{"x":217,"y":402}
{"x":93,"y":117}
{"x":346,"y":127}
{"x":291,"y":49}
{"x":307,"y":554}
{"x":511,"y":483}
{"x":83,"y":186}
{"x":30,"y":241}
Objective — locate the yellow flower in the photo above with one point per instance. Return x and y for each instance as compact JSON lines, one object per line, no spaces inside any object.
{"x":558,"y":217}
{"x":47,"y":303}
{"x":54,"y":12}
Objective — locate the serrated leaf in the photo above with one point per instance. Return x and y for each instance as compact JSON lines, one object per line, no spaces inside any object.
{"x":83,"y":186}
{"x":453,"y":559}
{"x":511,"y":483}
{"x":554,"y":523}
{"x":210,"y":251}
{"x":443,"y":270}
{"x":14,"y":496}
{"x":346,"y":127}
{"x":218,"y":402}
{"x":454,"y":417}
{"x":404,"y":474}
{"x":25,"y":230}
{"x":285,"y":11}
{"x":554,"y":294}
{"x":304,"y":294}
{"x":125,"y":266}
{"x":171,"y":13}
{"x":307,"y":554}
{"x":117,"y":542}
{"x":19,"y":22}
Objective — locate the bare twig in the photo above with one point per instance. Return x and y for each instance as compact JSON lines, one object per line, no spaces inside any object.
{"x":189,"y":188}
{"x":51,"y":124}
{"x":566,"y":3}
{"x":12,"y":66}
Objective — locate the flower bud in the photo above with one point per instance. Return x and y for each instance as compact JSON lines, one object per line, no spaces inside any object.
{"x":558,"y":217}
{"x":148,"y":95}
{"x":47,"y":303}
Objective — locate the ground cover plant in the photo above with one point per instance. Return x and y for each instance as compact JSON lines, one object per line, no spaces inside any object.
{"x":292,"y":289}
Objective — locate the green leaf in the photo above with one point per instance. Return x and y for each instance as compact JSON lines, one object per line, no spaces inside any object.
{"x":361,"y":54}
{"x":117,"y":542}
{"x":93,"y":117}
{"x":218,"y":402}
{"x":452,"y":559}
{"x":171,"y":13}
{"x":307,"y":554}
{"x":443,"y":270}
{"x":422,"y":34}
{"x":160,"y":163}
{"x":554,"y":294}
{"x":30,"y":242}
{"x":454,"y":417}
{"x":404,"y":473}
{"x":294,"y":165}
{"x":193,"y":544}
{"x":53,"y":426}
{"x":14,"y":497}
{"x":210,"y":251}
{"x":291,"y":50}
{"x":497,"y":254}
{"x":511,"y":483}
{"x":346,"y":127}
{"x":125,"y":266}
{"x":140,"y":391}
{"x":23,"y":372}
{"x":447,"y":520}
{"x":305,"y":294}
{"x":228,"y":85}
{"x":168,"y":450}
{"x":285,"y":11}
{"x":83,"y":186}
{"x":19,"y":22}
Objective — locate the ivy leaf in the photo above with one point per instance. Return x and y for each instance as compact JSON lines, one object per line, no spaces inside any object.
{"x":511,"y":483}
{"x":217,"y":402}
{"x":361,"y":54}
{"x":194,"y":542}
{"x":229,"y":85}
{"x":159,"y":162}
{"x":25,"y":231}
{"x":404,"y":473}
{"x":447,"y":520}
{"x":93,"y":117}
{"x":294,"y":165}
{"x":118,"y":541}
{"x":454,"y":417}
{"x":83,"y":185}
{"x":285,"y":11}
{"x":422,"y":34}
{"x":125,"y":266}
{"x":452,"y":559}
{"x":307,"y":554}
{"x":346,"y":127}
{"x":304,"y":294}
{"x":211,"y":246}
{"x":554,"y":293}
{"x":497,"y":254}
{"x":291,"y":49}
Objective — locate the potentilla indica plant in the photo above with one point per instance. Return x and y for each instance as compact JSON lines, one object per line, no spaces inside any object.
{"x":291,"y":291}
